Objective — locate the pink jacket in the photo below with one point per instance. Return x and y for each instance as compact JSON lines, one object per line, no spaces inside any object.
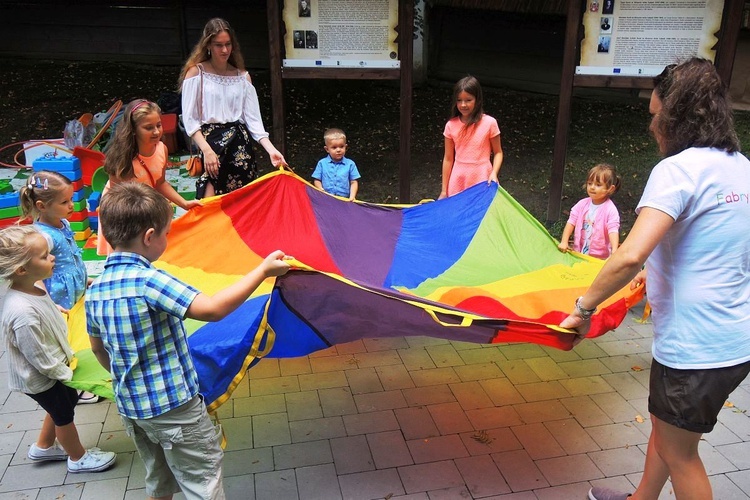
{"x":607,"y":221}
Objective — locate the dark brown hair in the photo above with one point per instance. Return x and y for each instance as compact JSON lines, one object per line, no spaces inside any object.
{"x":470,"y":85}
{"x":696,"y":111}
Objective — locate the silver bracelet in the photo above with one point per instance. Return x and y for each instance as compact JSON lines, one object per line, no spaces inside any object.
{"x":585,"y":314}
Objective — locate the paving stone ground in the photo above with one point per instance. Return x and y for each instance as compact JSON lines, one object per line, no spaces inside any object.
{"x":411,"y":418}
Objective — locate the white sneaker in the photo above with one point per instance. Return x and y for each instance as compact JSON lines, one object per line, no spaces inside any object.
{"x":54,"y":452}
{"x":94,"y":460}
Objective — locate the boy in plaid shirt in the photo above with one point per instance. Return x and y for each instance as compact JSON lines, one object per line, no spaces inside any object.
{"x":135,"y":318}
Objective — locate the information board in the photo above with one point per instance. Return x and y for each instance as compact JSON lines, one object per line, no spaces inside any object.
{"x":341,"y":33}
{"x":640,"y":37}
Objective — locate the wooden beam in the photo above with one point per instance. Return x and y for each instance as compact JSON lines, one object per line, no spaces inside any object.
{"x":275,"y":43}
{"x":614,"y":82}
{"x":728,"y":34}
{"x":406,"y":56}
{"x":342,"y":73}
{"x":572,"y":42}
{"x":182,"y":27}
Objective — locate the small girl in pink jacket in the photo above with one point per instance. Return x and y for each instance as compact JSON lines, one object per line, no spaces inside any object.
{"x":595,"y":219}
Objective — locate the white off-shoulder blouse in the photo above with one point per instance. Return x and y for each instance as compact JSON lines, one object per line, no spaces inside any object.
{"x":226,"y":99}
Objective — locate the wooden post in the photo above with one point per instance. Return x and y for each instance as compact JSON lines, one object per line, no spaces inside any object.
{"x":182,"y":25}
{"x":275,"y":43}
{"x":730,"y":32}
{"x":562,"y":128}
{"x":406,"y":56}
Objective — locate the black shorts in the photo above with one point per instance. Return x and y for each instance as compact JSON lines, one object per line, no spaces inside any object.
{"x":59,"y":401}
{"x":692,"y":399}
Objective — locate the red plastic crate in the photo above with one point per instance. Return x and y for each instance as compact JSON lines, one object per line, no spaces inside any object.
{"x":78,"y":216}
{"x":169,"y":126}
{"x":13,"y":220}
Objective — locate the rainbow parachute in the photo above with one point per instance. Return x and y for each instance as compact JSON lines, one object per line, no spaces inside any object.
{"x":475,"y":267}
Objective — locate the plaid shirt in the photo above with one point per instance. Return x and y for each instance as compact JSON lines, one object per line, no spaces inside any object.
{"x":137,"y":311}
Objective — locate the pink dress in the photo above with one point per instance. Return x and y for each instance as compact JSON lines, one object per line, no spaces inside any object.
{"x":156,"y":165}
{"x":471,"y":163}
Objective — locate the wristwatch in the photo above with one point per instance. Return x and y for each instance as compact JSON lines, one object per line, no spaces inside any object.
{"x":585,"y":314}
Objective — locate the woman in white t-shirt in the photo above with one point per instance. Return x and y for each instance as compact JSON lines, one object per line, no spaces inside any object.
{"x":691,"y":234}
{"x":221,"y":113}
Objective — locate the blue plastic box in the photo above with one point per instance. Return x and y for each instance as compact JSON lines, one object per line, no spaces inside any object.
{"x":70,"y":167}
{"x":93,"y":201}
{"x":9,"y":200}
{"x":79,"y":195}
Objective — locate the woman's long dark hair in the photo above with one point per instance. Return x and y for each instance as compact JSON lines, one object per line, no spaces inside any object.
{"x":696,"y":111}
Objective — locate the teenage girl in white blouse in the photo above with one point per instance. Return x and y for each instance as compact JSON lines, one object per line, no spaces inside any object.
{"x":221,"y":113}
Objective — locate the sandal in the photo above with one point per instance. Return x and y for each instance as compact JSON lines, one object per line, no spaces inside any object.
{"x":86,"y":398}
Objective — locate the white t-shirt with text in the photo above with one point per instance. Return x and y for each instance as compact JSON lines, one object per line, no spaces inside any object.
{"x":698,"y":276}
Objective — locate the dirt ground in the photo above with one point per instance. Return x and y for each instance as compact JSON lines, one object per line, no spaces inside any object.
{"x":43,"y":95}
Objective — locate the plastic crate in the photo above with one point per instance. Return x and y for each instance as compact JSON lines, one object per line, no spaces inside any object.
{"x":169,"y":127}
{"x":82,"y":235}
{"x":9,"y":200}
{"x":10,"y":212}
{"x":79,"y":225}
{"x":62,"y":164}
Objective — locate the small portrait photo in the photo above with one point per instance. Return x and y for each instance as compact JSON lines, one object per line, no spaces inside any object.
{"x":594,"y":6}
{"x":304,"y":8}
{"x":299,"y":39}
{"x":603,"y":44}
{"x":606,"y":25}
{"x":311,"y":39}
{"x":609,"y":7}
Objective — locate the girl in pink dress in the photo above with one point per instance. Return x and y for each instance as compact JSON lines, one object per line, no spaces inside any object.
{"x":471,"y":139}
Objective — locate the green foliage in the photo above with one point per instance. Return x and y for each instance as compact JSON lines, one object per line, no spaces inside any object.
{"x":556,"y":228}
{"x":742,"y":125}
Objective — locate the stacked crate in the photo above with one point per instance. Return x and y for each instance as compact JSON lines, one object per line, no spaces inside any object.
{"x":92,"y":205}
{"x":10,"y":210}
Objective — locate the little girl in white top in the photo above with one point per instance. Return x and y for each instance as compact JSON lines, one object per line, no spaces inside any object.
{"x":37,"y":350}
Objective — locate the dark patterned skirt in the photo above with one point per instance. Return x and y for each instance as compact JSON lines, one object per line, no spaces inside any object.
{"x":231,"y":143}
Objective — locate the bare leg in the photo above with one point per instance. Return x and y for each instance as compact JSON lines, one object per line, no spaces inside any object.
{"x":210,"y":191}
{"x":69,"y":440}
{"x":655,"y":472}
{"x":673,"y":452}
{"x":159,"y":498}
{"x":678,"y":449}
{"x":47,"y":434}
